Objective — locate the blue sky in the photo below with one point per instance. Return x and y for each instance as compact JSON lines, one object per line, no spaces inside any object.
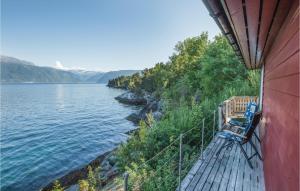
{"x":97,"y":34}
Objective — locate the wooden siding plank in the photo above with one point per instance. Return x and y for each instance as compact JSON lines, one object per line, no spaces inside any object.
{"x":282,"y":105}
{"x":291,"y":84}
{"x":288,"y":30}
{"x":235,"y":8}
{"x":278,"y":20}
{"x":266,"y":18}
{"x":289,"y":67}
{"x":252,"y":10}
{"x":291,"y":48}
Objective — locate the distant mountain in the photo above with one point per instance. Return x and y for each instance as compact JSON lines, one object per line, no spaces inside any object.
{"x":114,"y":74}
{"x":87,"y":76}
{"x":18,"y":71}
{"x":14,"y":70}
{"x":8,"y":60}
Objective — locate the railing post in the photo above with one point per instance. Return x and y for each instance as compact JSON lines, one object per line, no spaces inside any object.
{"x":202,"y":138}
{"x":180,"y":161}
{"x":214,"y":124}
{"x":125,"y":176}
{"x":220,"y":116}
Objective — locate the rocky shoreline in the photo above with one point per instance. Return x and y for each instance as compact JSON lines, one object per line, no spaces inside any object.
{"x":107,"y":161}
{"x":74,"y":176}
{"x":151,"y":105}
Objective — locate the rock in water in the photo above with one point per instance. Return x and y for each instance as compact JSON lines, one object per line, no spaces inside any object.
{"x":134,"y":117}
{"x":154,"y":106}
{"x":131,"y":98}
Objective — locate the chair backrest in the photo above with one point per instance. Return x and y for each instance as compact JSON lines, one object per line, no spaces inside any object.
{"x":252,"y":126}
{"x":252,"y":107}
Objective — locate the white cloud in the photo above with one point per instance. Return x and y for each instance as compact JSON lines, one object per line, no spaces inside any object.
{"x":58,"y":65}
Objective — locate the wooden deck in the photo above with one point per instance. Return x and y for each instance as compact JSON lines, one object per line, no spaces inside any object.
{"x":227,"y":171}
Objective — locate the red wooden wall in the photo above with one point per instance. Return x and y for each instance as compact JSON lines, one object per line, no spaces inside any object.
{"x":281,"y":107}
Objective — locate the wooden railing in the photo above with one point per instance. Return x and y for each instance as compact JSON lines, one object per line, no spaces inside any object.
{"x":234,"y":107}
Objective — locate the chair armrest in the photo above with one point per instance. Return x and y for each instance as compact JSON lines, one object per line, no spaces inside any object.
{"x":234,"y":134}
{"x":239,"y":127}
{"x":231,"y":127}
{"x":238,"y":123}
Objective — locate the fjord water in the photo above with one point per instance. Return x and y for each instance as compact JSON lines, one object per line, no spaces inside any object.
{"x":48,"y":130}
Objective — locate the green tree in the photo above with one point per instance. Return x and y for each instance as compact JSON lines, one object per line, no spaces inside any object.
{"x":57,"y":186}
{"x":220,"y":67}
{"x":91,"y":178}
{"x":83,"y":185}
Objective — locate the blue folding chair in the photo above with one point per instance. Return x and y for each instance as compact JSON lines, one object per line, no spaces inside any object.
{"x":241,"y":138}
{"x":252,"y":107}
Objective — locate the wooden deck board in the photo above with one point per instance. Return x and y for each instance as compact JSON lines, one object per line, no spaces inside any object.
{"x":207,"y":171}
{"x":210,"y":179}
{"x":188,"y":178}
{"x":219,"y":175}
{"x":227,"y":171}
{"x":234,"y":171}
{"x":225,"y":178}
{"x":202,"y":169}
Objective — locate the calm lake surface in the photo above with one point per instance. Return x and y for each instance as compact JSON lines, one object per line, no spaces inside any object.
{"x":48,"y":130}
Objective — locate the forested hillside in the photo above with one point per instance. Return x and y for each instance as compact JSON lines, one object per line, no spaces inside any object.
{"x":198,"y":76}
{"x":114,"y":74}
{"x":198,"y":68}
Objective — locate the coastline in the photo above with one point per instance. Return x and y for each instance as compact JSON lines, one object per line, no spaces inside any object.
{"x":71,"y":179}
{"x":74,"y":176}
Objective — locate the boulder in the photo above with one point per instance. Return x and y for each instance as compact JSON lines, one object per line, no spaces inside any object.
{"x":106,"y":166}
{"x":134,"y":117}
{"x":157,"y":115}
{"x":112,"y":172}
{"x":112,"y":160}
{"x":131,"y":99}
{"x":154,"y":106}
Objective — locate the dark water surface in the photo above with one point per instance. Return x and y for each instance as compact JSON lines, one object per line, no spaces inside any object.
{"x":48,"y":130}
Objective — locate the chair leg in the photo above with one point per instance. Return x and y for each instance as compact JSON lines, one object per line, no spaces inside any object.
{"x":245,"y":154}
{"x":256,"y":151}
{"x":257,"y":137}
